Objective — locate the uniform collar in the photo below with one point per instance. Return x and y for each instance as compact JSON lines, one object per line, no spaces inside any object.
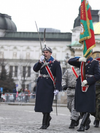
{"x":51,"y":59}
{"x":89,"y":59}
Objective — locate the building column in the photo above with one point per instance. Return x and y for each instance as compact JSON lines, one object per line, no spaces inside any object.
{"x":99,"y":15}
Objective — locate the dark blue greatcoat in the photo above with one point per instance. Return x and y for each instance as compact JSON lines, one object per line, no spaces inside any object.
{"x":85,"y":101}
{"x":45,"y":87}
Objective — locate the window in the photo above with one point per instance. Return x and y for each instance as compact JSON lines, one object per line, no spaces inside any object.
{"x":24,"y":71}
{"x":11,"y":70}
{"x":3,"y":67}
{"x":23,"y":86}
{"x":29,"y":71}
{"x":15,"y":55}
{"x":1,"y":54}
{"x":28,"y":55}
{"x":16,"y":71}
{"x":28,"y":86}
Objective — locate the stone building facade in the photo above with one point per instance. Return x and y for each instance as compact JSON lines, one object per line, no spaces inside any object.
{"x":20,"y":50}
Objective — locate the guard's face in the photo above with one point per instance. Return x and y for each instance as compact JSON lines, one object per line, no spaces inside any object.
{"x":47,"y":54}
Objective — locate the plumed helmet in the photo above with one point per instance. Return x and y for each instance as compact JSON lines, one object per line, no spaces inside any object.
{"x":47,"y":49}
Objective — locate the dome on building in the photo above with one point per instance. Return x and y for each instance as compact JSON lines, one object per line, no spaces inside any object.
{"x":96,"y":28}
{"x":6,"y":23}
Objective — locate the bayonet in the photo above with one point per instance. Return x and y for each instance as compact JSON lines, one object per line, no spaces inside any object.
{"x":44,"y":37}
{"x":39,"y":36}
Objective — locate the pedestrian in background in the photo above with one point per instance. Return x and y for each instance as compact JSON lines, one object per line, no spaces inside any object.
{"x":7,"y":96}
{"x":26,"y":95}
{"x":48,"y":84}
{"x":34,"y":91}
{"x":14,"y":94}
{"x":0,"y":93}
{"x":69,"y":83}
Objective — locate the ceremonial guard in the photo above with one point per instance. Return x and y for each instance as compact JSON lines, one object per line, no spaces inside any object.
{"x":48,"y":84}
{"x":85,"y":89}
{"x":69,"y":83}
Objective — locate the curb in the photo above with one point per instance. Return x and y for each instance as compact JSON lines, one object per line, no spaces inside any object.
{"x":30,"y":104}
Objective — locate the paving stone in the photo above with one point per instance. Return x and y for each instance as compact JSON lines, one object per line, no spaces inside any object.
{"x":23,"y":119}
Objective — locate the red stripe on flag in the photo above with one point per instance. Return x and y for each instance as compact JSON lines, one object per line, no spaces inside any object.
{"x":83,"y":11}
{"x":89,"y":14}
{"x":90,"y":42}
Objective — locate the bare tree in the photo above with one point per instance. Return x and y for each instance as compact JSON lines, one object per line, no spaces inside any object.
{"x":24,"y":71}
{"x":6,"y":80}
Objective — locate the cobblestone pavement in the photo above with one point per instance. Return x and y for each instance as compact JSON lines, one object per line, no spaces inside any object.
{"x":23,"y":119}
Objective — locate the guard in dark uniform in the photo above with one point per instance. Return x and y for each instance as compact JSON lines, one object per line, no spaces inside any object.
{"x":46,"y":87}
{"x":85,"y":100}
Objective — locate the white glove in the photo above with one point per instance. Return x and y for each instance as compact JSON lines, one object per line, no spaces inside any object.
{"x":42,"y":58}
{"x":82,"y":59}
{"x":84,"y":83}
{"x":56,"y":92}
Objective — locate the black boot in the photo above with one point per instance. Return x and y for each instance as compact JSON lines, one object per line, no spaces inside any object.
{"x":45,"y":121}
{"x":84,"y":121}
{"x":87,"y":126}
{"x":96,"y":123}
{"x":49,"y":119}
{"x":72,"y":124}
{"x":77,"y":122}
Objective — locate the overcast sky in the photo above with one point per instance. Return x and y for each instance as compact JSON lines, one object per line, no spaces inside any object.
{"x":57,"y":14}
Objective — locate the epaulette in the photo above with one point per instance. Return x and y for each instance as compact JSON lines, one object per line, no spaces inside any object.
{"x":56,"y":60}
{"x":53,"y":60}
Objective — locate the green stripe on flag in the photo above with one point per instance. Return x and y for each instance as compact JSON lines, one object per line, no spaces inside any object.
{"x":91,"y":25}
{"x":88,"y":6}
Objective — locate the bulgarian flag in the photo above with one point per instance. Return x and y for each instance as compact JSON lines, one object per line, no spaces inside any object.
{"x":87,"y":37}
